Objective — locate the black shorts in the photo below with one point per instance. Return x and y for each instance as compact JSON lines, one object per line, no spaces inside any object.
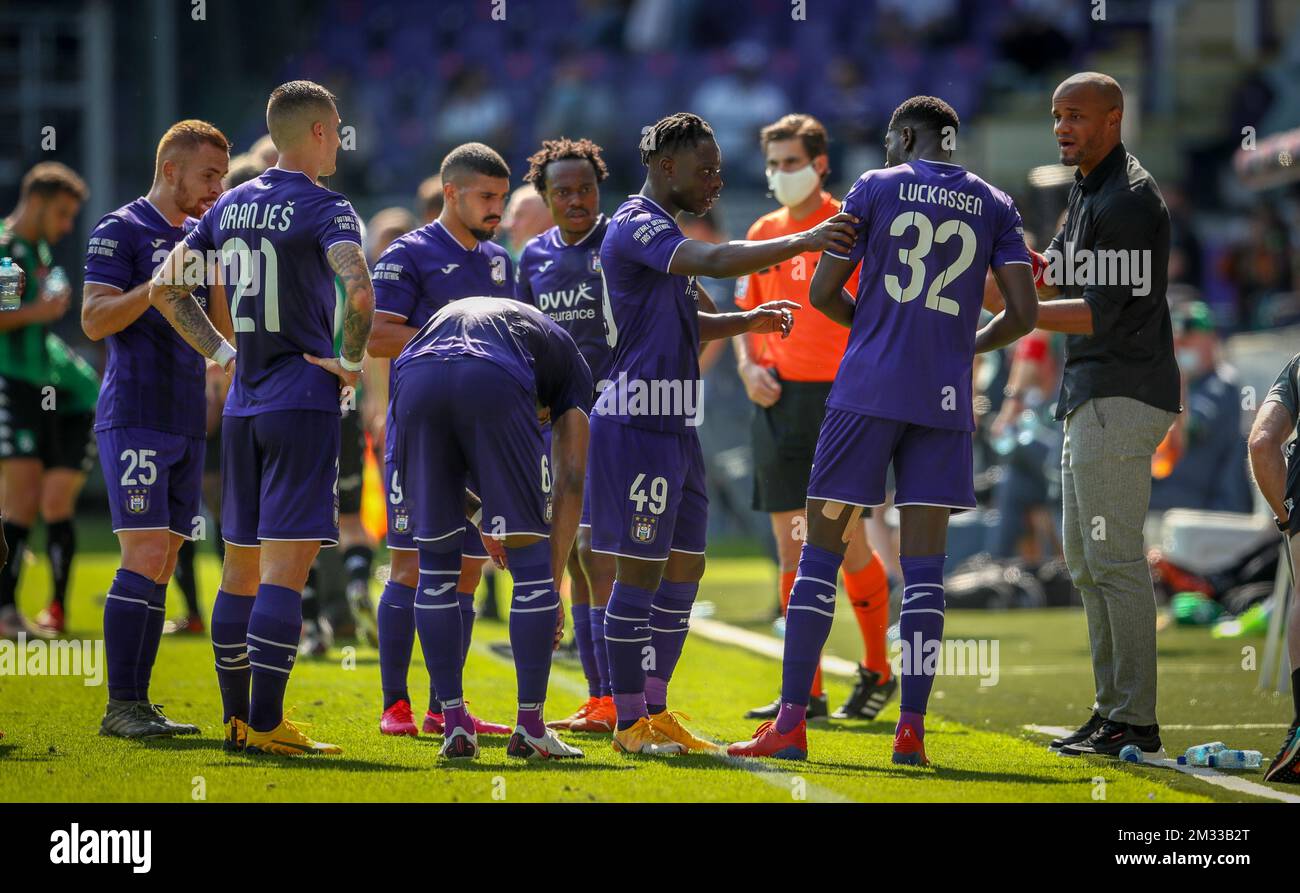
{"x":784,"y":438}
{"x":28,"y":430}
{"x":352,"y":453}
{"x":1292,"y":489}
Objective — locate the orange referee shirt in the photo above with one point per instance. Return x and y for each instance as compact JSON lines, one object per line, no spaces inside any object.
{"x":816,"y":345}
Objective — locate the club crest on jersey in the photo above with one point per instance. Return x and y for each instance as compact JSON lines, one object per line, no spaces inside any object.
{"x":593,"y":261}
{"x":644,"y":528}
{"x":401,"y":521}
{"x":137,"y":501}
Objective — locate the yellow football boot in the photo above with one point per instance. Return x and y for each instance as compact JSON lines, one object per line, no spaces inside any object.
{"x":670,"y":727}
{"x":286,"y":740}
{"x":641,"y":737}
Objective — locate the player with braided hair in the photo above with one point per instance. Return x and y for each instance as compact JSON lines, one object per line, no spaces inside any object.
{"x":648,"y":504}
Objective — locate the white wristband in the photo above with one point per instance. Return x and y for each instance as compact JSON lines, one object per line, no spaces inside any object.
{"x":349,"y":365}
{"x":223,"y":354}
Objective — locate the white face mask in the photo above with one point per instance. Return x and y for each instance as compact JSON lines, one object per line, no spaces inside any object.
{"x":793,"y":187}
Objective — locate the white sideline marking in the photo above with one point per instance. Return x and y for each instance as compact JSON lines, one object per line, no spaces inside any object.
{"x":761,"y":643}
{"x":1204,"y":773}
{"x":777,"y":778}
{"x":1222,"y":727}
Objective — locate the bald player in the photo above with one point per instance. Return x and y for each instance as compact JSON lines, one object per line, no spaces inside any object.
{"x":281,"y":238}
{"x":526,"y":215}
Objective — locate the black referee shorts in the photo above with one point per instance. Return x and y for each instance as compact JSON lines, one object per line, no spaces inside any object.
{"x":784,"y":438}
{"x":352,"y":450}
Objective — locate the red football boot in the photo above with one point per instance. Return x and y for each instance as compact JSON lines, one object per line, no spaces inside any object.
{"x":768,"y":742}
{"x":432,"y":723}
{"x":397,"y":720}
{"x":51,"y":619}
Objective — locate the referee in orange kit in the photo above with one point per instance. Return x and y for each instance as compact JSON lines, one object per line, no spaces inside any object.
{"x":789,"y":380}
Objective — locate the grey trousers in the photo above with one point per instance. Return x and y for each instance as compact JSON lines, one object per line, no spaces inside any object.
{"x":1105,"y":493}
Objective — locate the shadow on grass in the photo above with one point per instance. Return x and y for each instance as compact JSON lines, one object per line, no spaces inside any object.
{"x":526,"y":766}
{"x":311,"y":763}
{"x":924,"y":774}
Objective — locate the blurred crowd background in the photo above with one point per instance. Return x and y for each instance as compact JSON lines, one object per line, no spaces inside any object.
{"x":1208,"y":83}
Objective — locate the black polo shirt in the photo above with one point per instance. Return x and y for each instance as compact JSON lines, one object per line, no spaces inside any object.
{"x":1130,"y":353}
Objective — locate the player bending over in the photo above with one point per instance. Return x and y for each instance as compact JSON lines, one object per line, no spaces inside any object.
{"x":929,"y":229}
{"x":559,"y":273}
{"x":649,"y":507}
{"x":151,"y":411}
{"x":451,"y":258}
{"x":281,"y":238}
{"x":470,"y":392}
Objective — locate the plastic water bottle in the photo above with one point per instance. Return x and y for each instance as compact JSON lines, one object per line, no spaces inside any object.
{"x":1131,"y":753}
{"x":56,"y":283}
{"x":1201,"y":753}
{"x":1236,"y":759}
{"x":11,"y":278}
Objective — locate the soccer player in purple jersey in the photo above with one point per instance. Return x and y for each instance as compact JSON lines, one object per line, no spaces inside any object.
{"x":648,"y":502}
{"x":469,"y":392}
{"x":929,"y":230}
{"x":559,"y":273}
{"x":150,"y":416}
{"x":280,"y":239}
{"x":420,"y":273}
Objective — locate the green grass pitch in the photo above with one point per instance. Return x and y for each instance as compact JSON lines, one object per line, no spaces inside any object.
{"x":976,"y":741}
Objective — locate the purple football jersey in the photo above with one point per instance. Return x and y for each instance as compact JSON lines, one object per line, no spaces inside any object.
{"x":420,"y":272}
{"x":928,"y":233}
{"x":273,"y":233}
{"x":564,"y":282}
{"x":651,"y":316}
{"x":537,"y":353}
{"x":152,"y":378}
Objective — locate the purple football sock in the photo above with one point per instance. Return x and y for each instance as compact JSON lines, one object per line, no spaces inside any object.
{"x":915,"y":720}
{"x":586,"y":654}
{"x":670,"y":621}
{"x":533,"y":605}
{"x":627,"y":632}
{"x":530,"y":717}
{"x":808,"y":621}
{"x":437,"y":617}
{"x":230,"y":615}
{"x":126,"y":621}
{"x":467,"y":615}
{"x":599,"y":649}
{"x":920,"y":627}
{"x":274,"y":628}
{"x":152,"y":639}
{"x":395,"y":618}
{"x":455,"y":715}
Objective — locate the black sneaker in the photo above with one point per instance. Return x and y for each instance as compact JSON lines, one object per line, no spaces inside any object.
{"x":132,"y":719}
{"x":818,"y":708}
{"x":869,"y":696}
{"x":317,"y":637}
{"x":178,"y":728}
{"x":1285,"y":768}
{"x":1113,"y":737}
{"x":1083,"y":733}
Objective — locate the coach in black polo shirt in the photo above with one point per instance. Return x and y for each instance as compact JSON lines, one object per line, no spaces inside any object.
{"x":1119,"y":395}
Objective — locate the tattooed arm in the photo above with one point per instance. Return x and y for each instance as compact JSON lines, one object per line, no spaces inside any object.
{"x":349,"y":263}
{"x":172,"y":293}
